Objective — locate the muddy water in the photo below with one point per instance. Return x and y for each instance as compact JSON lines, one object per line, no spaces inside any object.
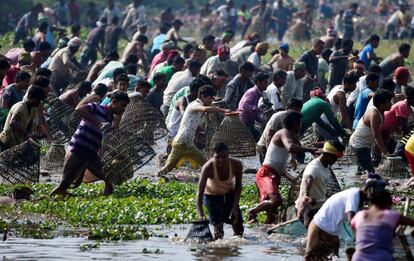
{"x":256,"y":244}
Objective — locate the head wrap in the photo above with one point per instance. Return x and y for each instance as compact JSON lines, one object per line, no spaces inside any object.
{"x":223,"y":49}
{"x":318,"y":92}
{"x":401,"y":72}
{"x":329,"y":148}
{"x":284,"y":47}
{"x":75,"y":42}
{"x":172,"y":54}
{"x":299,"y":66}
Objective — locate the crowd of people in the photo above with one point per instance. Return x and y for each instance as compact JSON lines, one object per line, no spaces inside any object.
{"x":332,"y":91}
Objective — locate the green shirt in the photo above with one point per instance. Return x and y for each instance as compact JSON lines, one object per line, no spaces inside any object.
{"x":167,"y":70}
{"x":312,"y":111}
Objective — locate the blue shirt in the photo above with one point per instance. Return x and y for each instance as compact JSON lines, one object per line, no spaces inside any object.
{"x":158,"y":41}
{"x":361,"y":105}
{"x":368,"y":49}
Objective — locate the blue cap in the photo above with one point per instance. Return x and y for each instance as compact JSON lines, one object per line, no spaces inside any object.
{"x":284,"y":46}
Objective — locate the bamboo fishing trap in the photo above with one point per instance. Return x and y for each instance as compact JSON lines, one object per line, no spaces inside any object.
{"x":20,"y":164}
{"x":63,"y":120}
{"x":394,"y":168}
{"x":235,"y":135}
{"x":54,"y":158}
{"x":123,"y":153}
{"x":143,"y":119}
{"x":210,"y":122}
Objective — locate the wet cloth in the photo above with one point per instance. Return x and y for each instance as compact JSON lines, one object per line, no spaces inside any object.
{"x":267,"y":181}
{"x":374,"y":239}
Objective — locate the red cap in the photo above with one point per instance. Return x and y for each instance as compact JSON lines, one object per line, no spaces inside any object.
{"x":401,"y":72}
{"x":223,"y":49}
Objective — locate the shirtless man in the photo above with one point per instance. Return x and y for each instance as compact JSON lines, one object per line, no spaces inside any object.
{"x":99,"y":65}
{"x":282,"y":60}
{"x":98,"y":94}
{"x":368,"y":131}
{"x":284,"y":142}
{"x":395,"y":60}
{"x":74,"y":96}
{"x":220,"y":187}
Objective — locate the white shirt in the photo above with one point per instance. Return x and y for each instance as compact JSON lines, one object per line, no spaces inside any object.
{"x":254,"y":58}
{"x":211,"y":65}
{"x":321,"y":179}
{"x":334,"y":211}
{"x":224,"y":14}
{"x":360,"y":86}
{"x":275,"y":124}
{"x":178,"y":81}
{"x":293,"y":88}
{"x":189,"y":123}
{"x":334,"y":106}
{"x":110,"y":14}
{"x":238,"y":46}
{"x":273,"y":94}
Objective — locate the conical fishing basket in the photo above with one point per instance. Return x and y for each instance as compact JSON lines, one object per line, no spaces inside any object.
{"x":394,"y":168}
{"x":143,"y":119}
{"x":54,"y":158}
{"x":199,"y":232}
{"x":63,"y":120}
{"x":20,"y":164}
{"x":211,"y":121}
{"x":122,"y":154}
{"x":235,"y":135}
{"x":333,"y":187}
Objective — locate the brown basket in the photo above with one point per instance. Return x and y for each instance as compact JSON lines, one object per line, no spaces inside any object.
{"x":395,"y":168}
{"x":236,"y":136}
{"x":63,"y":120}
{"x":54,"y":158}
{"x":210,"y":122}
{"x":143,"y":119}
{"x":122,"y":154}
{"x":20,"y":164}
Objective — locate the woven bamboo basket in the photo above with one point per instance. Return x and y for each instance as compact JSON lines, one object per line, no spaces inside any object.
{"x":235,"y":135}
{"x":54,"y":158}
{"x":20,"y":164}
{"x":122,"y":154}
{"x":63,"y":120}
{"x":143,"y":119}
{"x":395,"y":168}
{"x":332,"y":188}
{"x":210,"y":122}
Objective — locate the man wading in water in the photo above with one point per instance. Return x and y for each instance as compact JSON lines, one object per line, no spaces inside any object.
{"x":220,"y":186}
{"x":82,"y":152}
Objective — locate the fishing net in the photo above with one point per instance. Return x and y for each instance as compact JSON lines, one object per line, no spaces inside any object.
{"x":394,"y":168}
{"x":210,"y":122}
{"x":309,"y":137}
{"x":199,"y":232}
{"x":122,"y":154}
{"x":54,"y":158}
{"x":20,"y":164}
{"x":235,"y":135}
{"x":143,"y":119}
{"x":63,"y":120}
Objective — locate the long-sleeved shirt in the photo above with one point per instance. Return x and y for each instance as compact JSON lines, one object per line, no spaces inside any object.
{"x":293,"y":88}
{"x":312,"y":111}
{"x":249,"y":111}
{"x":235,"y":90}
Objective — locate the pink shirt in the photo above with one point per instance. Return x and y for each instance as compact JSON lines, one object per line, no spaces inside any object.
{"x":391,"y":118}
{"x":159,"y":58}
{"x":389,"y":217}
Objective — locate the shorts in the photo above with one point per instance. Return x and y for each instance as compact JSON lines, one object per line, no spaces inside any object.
{"x":219,"y":208}
{"x":268,"y":181}
{"x":182,"y":152}
{"x":410,"y":159}
{"x":75,"y":165}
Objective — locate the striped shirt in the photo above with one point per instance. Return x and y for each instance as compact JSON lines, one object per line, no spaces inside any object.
{"x":87,"y":139}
